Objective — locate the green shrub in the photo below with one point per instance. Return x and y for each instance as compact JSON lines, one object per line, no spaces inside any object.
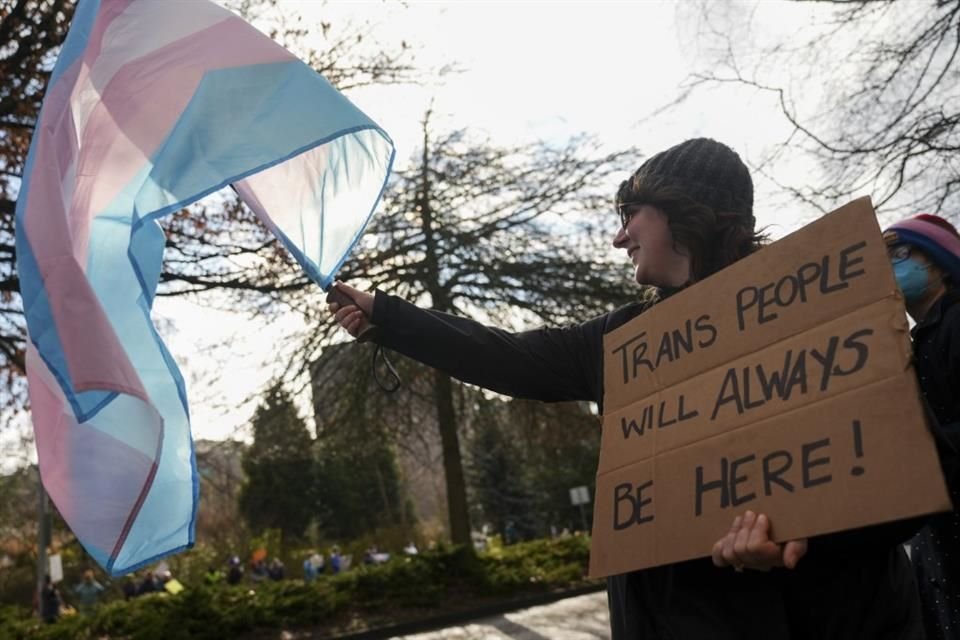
{"x":403,"y":588}
{"x":535,"y":566}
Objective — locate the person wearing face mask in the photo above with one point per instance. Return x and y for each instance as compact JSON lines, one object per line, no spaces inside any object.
{"x":685,"y":214}
{"x":925,"y":252}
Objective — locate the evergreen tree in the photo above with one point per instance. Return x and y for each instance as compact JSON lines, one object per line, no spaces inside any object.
{"x":497,"y":475}
{"x":357,"y":489}
{"x":278,"y":465}
{"x":358,"y":486}
{"x":561,"y":446}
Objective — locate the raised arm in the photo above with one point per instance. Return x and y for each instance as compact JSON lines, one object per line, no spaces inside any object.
{"x":545,"y":364}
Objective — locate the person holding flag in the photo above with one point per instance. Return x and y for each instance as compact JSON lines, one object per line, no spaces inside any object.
{"x":685,"y":214}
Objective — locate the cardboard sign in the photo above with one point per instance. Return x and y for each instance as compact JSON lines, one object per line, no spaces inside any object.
{"x":782,"y":385}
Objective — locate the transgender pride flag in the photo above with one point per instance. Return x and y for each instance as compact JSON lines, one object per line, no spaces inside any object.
{"x":151,"y":106}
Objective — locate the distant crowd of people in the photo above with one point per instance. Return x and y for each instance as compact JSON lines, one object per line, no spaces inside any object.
{"x":84,"y":596}
{"x":157,"y":581}
{"x":51,"y":602}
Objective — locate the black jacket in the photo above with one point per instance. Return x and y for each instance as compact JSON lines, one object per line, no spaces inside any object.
{"x":936,"y":549}
{"x":856,"y":584}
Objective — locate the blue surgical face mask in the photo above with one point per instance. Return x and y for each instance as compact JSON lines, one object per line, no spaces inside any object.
{"x":913,"y":278}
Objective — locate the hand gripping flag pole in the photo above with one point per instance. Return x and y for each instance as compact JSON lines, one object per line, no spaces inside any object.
{"x":151,"y":106}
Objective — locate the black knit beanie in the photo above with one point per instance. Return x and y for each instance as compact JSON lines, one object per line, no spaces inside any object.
{"x":708,"y":171}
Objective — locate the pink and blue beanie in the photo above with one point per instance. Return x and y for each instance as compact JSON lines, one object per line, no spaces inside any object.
{"x":932,"y":234}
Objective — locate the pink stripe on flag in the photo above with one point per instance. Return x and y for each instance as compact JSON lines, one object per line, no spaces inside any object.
{"x":138,"y":109}
{"x":55,"y":150}
{"x":56,"y":147}
{"x":141,"y":104}
{"x":97,"y":499}
{"x":95,"y":357}
{"x":88,"y":340}
{"x":109,"y":11}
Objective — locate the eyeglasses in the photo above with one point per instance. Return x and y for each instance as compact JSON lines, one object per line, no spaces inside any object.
{"x":899,"y":253}
{"x":626,"y":211}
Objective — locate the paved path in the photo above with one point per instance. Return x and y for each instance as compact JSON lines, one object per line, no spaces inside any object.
{"x":579,"y":618}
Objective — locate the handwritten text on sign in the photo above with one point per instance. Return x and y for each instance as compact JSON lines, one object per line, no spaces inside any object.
{"x":781,"y":392}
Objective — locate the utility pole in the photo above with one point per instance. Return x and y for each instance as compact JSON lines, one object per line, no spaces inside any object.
{"x":43,"y":541}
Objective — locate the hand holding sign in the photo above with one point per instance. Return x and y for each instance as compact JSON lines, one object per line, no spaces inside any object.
{"x":748,"y":545}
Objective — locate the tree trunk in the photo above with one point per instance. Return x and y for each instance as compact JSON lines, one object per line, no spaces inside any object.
{"x":443,"y":389}
{"x":452,"y":464}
